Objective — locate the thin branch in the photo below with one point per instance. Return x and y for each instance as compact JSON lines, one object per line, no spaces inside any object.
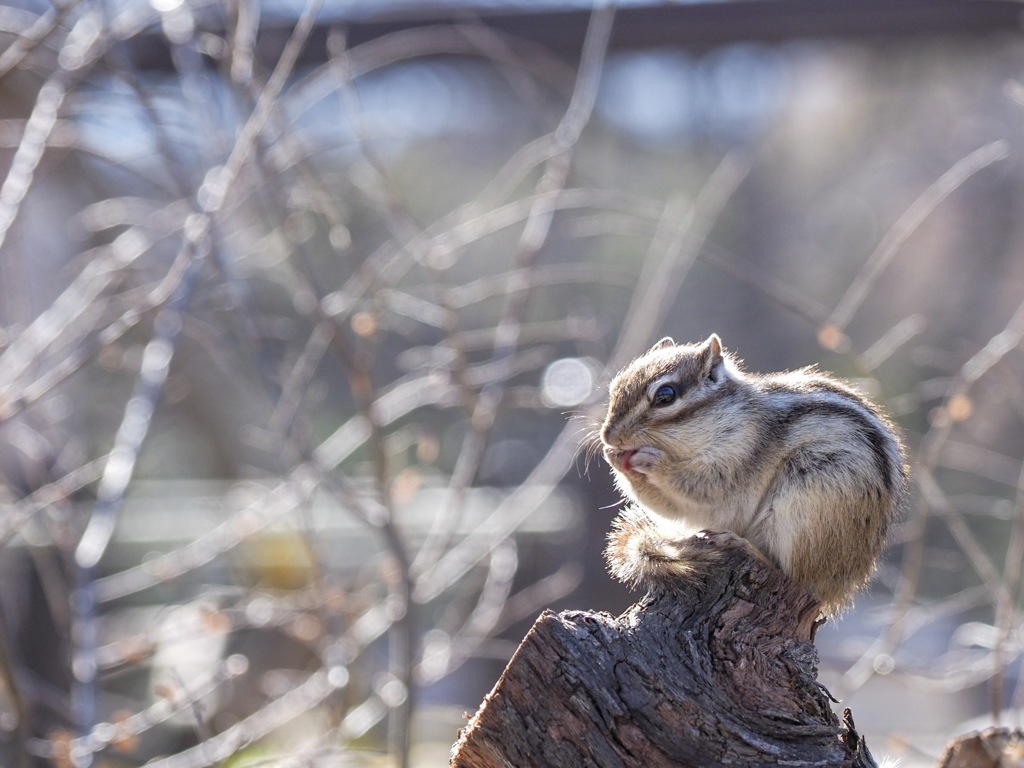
{"x":276,"y":713}
{"x":909,"y":222}
{"x":676,"y":244}
{"x":508,"y":327}
{"x":929,"y":455}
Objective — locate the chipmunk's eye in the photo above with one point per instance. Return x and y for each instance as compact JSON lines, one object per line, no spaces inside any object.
{"x":665,"y":395}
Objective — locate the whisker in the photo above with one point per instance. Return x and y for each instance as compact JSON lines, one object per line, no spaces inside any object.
{"x":589,"y":445}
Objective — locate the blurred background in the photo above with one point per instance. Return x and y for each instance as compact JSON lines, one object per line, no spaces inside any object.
{"x":307,"y":308}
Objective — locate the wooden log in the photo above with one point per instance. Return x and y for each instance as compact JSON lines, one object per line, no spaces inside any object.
{"x":713,"y":668}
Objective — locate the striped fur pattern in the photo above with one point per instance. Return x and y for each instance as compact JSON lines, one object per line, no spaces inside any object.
{"x":797,"y":463}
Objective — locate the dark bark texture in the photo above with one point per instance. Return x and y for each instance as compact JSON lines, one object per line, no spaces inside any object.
{"x":716,"y":667}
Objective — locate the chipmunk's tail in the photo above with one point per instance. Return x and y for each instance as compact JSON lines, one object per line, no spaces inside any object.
{"x":645,"y":550}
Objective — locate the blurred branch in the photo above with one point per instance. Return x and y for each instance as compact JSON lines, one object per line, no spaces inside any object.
{"x":276,"y":713}
{"x":506,"y":518}
{"x":508,"y":325}
{"x":442,"y":39}
{"x":81,"y":48}
{"x":932,"y":498}
{"x":281,"y":501}
{"x":38,"y":33}
{"x":895,"y":338}
{"x":138,"y":414}
{"x":171,"y":702}
{"x":677,"y":242}
{"x":15,"y":516}
{"x":908,"y":223}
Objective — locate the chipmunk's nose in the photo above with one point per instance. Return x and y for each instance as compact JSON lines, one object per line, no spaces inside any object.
{"x":606,"y":434}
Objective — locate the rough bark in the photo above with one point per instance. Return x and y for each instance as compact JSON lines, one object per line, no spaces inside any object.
{"x":717,"y":668}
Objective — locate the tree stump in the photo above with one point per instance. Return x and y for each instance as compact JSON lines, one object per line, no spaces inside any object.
{"x":713,"y":668}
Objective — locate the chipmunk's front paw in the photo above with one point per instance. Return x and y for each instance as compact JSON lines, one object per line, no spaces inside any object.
{"x":645,"y":460}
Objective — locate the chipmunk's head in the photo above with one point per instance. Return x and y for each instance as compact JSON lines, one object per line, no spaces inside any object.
{"x":655,"y":396}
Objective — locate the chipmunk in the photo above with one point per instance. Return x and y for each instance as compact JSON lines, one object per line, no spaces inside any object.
{"x":797,"y":463}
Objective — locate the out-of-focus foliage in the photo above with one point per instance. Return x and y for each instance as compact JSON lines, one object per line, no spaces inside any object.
{"x":290,"y":356}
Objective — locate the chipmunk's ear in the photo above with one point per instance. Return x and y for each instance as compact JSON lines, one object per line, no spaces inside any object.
{"x":715,"y":344}
{"x":714,"y":361}
{"x":666,"y":342}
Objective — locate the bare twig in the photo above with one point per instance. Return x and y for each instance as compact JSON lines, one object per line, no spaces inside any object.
{"x":909,"y":222}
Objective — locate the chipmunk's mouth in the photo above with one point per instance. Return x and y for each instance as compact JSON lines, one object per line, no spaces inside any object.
{"x":620,"y":458}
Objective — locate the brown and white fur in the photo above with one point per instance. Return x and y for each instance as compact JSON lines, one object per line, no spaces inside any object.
{"x":797,"y":463}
